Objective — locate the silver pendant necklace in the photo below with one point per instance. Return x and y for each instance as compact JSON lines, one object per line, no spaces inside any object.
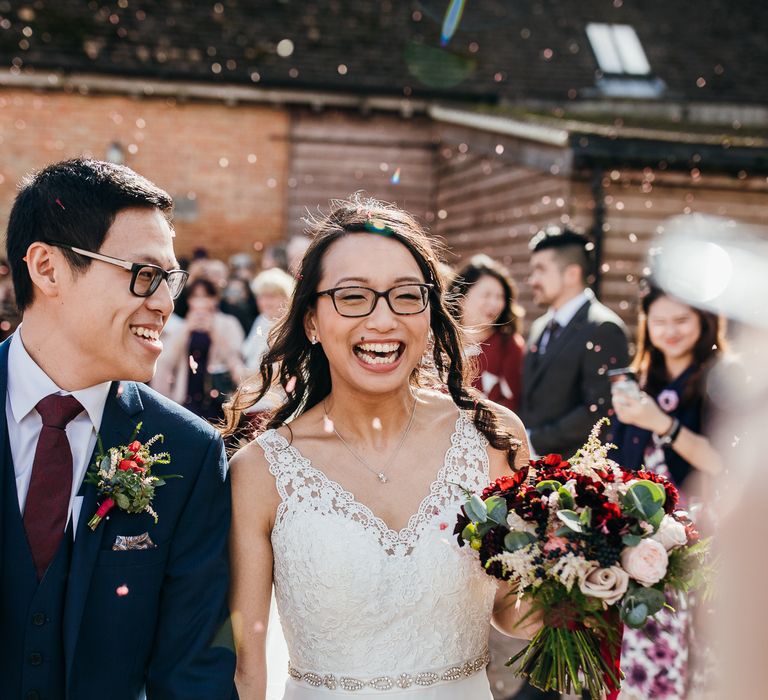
{"x":380,"y":474}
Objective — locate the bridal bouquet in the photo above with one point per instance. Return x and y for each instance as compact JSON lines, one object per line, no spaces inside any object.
{"x":589,"y":546}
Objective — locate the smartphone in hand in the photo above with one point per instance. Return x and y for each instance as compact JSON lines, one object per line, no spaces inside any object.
{"x":624,"y":380}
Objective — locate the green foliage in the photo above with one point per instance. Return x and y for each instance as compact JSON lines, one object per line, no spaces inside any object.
{"x":517,"y":540}
{"x":496,"y":508}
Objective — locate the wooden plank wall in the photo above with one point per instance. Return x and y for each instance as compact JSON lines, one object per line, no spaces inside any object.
{"x":493,"y":194}
{"x":334,"y":154}
{"x":639,"y":203}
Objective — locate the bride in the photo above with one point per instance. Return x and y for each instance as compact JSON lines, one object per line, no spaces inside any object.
{"x":347,"y":502}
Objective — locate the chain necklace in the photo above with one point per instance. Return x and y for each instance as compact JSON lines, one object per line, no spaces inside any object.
{"x":378,"y":473}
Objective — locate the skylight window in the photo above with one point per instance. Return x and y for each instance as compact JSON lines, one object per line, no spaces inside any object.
{"x":618,"y":50}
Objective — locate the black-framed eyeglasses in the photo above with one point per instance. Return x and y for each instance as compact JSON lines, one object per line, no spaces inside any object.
{"x":402,"y":299}
{"x":145,"y":277}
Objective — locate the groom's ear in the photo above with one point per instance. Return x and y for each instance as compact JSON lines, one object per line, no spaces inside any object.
{"x":45,"y":266}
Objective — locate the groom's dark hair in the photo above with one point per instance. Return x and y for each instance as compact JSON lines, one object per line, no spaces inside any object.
{"x":73,"y":202}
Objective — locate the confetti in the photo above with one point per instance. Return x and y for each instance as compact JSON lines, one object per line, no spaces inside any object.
{"x":395,"y":179}
{"x":259,"y":627}
{"x":122,"y":590}
{"x":58,"y":201}
{"x":451,"y":20}
{"x":327,"y":424}
{"x":443,"y":526}
{"x":290,"y":386}
{"x":193,"y":364}
{"x":376,"y":423}
{"x":120,"y":389}
{"x":259,"y":330}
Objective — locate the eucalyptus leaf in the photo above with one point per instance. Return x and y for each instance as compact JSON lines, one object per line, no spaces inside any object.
{"x":566,"y":499}
{"x":656,"y":518}
{"x":631,"y":540}
{"x":652,"y":598}
{"x":586,"y":517}
{"x":548,"y":485}
{"x":476,"y":509}
{"x":517,"y":540}
{"x":636,"y":616}
{"x":645,"y":498}
{"x":122,"y":501}
{"x":497,"y":509}
{"x":571,"y":519}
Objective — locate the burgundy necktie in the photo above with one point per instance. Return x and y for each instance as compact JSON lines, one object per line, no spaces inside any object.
{"x":47,"y":506}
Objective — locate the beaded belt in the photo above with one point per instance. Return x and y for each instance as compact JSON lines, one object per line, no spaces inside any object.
{"x":403,"y":681}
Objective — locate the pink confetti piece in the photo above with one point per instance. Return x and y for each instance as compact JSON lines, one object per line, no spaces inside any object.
{"x":290,"y":386}
{"x":443,"y":526}
{"x":395,"y":179}
{"x":327,"y":424}
{"x":122,"y":590}
{"x":376,"y":423}
{"x":193,"y":364}
{"x":259,"y":627}
{"x":58,"y":201}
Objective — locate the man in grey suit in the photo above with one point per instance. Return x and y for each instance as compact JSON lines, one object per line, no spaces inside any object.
{"x":571,"y":347}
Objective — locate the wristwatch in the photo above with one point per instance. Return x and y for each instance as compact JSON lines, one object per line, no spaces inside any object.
{"x":670,"y":436}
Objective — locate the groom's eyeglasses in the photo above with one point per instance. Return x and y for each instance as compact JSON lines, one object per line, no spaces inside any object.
{"x":145,"y":277}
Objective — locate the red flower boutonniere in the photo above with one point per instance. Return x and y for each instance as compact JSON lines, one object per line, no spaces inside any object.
{"x":123,"y":475}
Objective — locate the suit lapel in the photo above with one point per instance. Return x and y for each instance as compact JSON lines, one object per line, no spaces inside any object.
{"x":556,"y":345}
{"x":4,"y":451}
{"x":117,"y":426}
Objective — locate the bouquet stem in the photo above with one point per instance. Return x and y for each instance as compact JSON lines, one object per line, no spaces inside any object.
{"x":556,"y":656}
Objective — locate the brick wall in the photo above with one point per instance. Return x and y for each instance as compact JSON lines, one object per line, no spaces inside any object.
{"x":228,"y":163}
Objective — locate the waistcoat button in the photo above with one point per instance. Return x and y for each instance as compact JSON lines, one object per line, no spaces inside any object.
{"x":38,"y":619}
{"x":35,"y":658}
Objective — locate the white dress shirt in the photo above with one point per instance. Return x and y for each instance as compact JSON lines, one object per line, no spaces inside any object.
{"x":27,"y":385}
{"x":564,"y":315}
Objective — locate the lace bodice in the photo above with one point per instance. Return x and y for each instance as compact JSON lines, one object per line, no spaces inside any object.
{"x":357,"y":598}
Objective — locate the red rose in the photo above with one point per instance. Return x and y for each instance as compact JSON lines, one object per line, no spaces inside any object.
{"x":127,"y":464}
{"x":138,"y":459}
{"x":139,"y":470}
{"x":135,"y":446}
{"x":553,"y":460}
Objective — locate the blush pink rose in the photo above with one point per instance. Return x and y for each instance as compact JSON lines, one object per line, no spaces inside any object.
{"x":608,"y":584}
{"x":646,"y":563}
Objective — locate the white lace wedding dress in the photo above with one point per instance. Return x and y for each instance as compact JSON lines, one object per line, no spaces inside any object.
{"x":370,"y":611}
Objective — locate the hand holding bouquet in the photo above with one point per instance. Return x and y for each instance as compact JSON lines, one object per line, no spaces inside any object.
{"x":590,"y":546}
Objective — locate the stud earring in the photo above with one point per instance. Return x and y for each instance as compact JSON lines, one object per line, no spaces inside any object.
{"x":313,"y":340}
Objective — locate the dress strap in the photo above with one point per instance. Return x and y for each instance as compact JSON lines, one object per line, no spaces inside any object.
{"x":285,"y":462}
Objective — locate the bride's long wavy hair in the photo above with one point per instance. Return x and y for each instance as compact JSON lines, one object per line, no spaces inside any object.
{"x":302,"y":368}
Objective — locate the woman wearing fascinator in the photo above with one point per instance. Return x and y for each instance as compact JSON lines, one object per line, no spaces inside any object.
{"x":347,"y":502}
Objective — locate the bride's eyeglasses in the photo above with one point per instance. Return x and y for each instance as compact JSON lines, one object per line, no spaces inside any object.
{"x":355,"y":302}
{"x":145,"y":277}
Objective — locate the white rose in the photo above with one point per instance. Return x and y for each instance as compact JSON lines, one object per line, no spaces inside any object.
{"x":671,"y":533}
{"x":646,"y":563}
{"x":607,"y":584}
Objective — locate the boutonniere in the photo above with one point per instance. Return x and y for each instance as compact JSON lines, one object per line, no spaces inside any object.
{"x":123,"y":476}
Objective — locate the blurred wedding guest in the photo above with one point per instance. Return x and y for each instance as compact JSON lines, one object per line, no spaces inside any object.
{"x":660,"y":427}
{"x":205,"y":353}
{"x":272,"y":288}
{"x":486,"y":300}
{"x":242,"y":265}
{"x":570,"y":348}
{"x":294,"y":250}
{"x":9,"y":312}
{"x":238,"y":300}
{"x":274,"y":256}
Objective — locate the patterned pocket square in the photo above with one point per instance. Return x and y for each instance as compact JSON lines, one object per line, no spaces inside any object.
{"x":124,"y":543}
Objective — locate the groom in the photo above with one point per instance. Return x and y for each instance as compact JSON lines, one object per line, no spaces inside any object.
{"x":129,"y":607}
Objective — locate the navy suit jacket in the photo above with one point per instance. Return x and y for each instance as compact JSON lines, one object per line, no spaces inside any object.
{"x":167,"y":635}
